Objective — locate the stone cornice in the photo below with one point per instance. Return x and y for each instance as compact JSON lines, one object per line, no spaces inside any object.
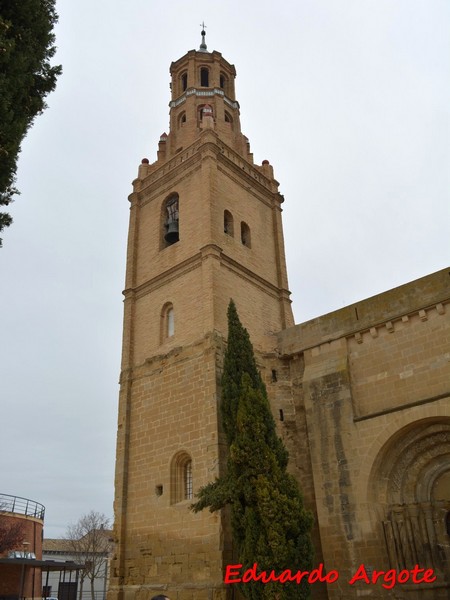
{"x":244,"y":168}
{"x":251,"y":276}
{"x":201,"y":93}
{"x":209,"y":251}
{"x":178,"y":165}
{"x":399,"y":305}
{"x":184,"y":160}
{"x":357,"y":332}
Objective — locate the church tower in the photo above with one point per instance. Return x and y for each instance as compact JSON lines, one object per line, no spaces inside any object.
{"x":205,"y":226}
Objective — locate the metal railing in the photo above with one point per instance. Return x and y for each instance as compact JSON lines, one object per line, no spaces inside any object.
{"x":21,"y":506}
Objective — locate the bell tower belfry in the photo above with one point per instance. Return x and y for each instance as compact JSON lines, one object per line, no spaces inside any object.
{"x":205,"y":226}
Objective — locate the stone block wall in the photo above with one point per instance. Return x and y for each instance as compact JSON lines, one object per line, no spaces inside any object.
{"x":172,"y":413}
{"x":373,"y":393}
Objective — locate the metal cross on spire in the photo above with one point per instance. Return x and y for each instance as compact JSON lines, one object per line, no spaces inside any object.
{"x":203,"y":44}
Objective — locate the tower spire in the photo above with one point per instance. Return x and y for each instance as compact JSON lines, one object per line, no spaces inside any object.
{"x":203,"y":47}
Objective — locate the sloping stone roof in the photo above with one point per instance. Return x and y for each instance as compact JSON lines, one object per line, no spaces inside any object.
{"x":64,"y":545}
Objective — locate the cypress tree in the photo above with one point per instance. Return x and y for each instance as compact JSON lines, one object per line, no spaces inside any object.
{"x":27,"y":43}
{"x":270,"y":525}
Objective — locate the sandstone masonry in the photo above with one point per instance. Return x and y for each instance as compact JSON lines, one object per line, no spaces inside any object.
{"x":361,"y":396}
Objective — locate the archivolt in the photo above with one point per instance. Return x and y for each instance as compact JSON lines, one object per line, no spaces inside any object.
{"x":409,"y":493}
{"x":410,"y":463}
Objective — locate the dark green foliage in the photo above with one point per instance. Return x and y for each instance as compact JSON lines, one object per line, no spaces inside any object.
{"x":269,"y":523}
{"x":239,"y":359}
{"x":26,"y":77}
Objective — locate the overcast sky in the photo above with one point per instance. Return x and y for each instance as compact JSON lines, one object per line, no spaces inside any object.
{"x":348,"y":100}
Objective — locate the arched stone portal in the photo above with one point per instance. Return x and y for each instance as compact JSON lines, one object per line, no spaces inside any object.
{"x":410,"y":484}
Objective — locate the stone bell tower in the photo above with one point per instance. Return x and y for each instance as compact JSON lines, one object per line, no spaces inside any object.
{"x":205,"y":226}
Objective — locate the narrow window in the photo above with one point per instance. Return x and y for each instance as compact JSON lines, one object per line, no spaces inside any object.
{"x":170,"y":322}
{"x":228,"y":118}
{"x":203,"y":111}
{"x":167,"y":322}
{"x":184,"y":82}
{"x":181,"y":119}
{"x":188,"y":480}
{"x":228,"y":224}
{"x":204,"y":77}
{"x":170,"y":221}
{"x":222,"y":81}
{"x":181,"y":479}
{"x":245,"y":235}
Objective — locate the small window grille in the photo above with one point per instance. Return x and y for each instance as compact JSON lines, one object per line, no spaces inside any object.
{"x":181,"y":486}
{"x":172,"y":210}
{"x":188,"y":480}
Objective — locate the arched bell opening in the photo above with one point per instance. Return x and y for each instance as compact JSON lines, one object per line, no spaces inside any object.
{"x":170,"y":221}
{"x":184,"y":81}
{"x":204,"y":77}
{"x":229,"y":119}
{"x":228,"y":223}
{"x":246,"y":238}
{"x":223,"y":82}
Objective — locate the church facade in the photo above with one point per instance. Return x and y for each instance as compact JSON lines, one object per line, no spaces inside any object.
{"x":361,"y":396}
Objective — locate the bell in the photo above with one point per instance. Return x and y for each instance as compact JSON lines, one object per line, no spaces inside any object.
{"x":172,"y":234}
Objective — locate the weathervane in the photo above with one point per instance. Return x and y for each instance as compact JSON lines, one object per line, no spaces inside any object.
{"x":203,"y":44}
